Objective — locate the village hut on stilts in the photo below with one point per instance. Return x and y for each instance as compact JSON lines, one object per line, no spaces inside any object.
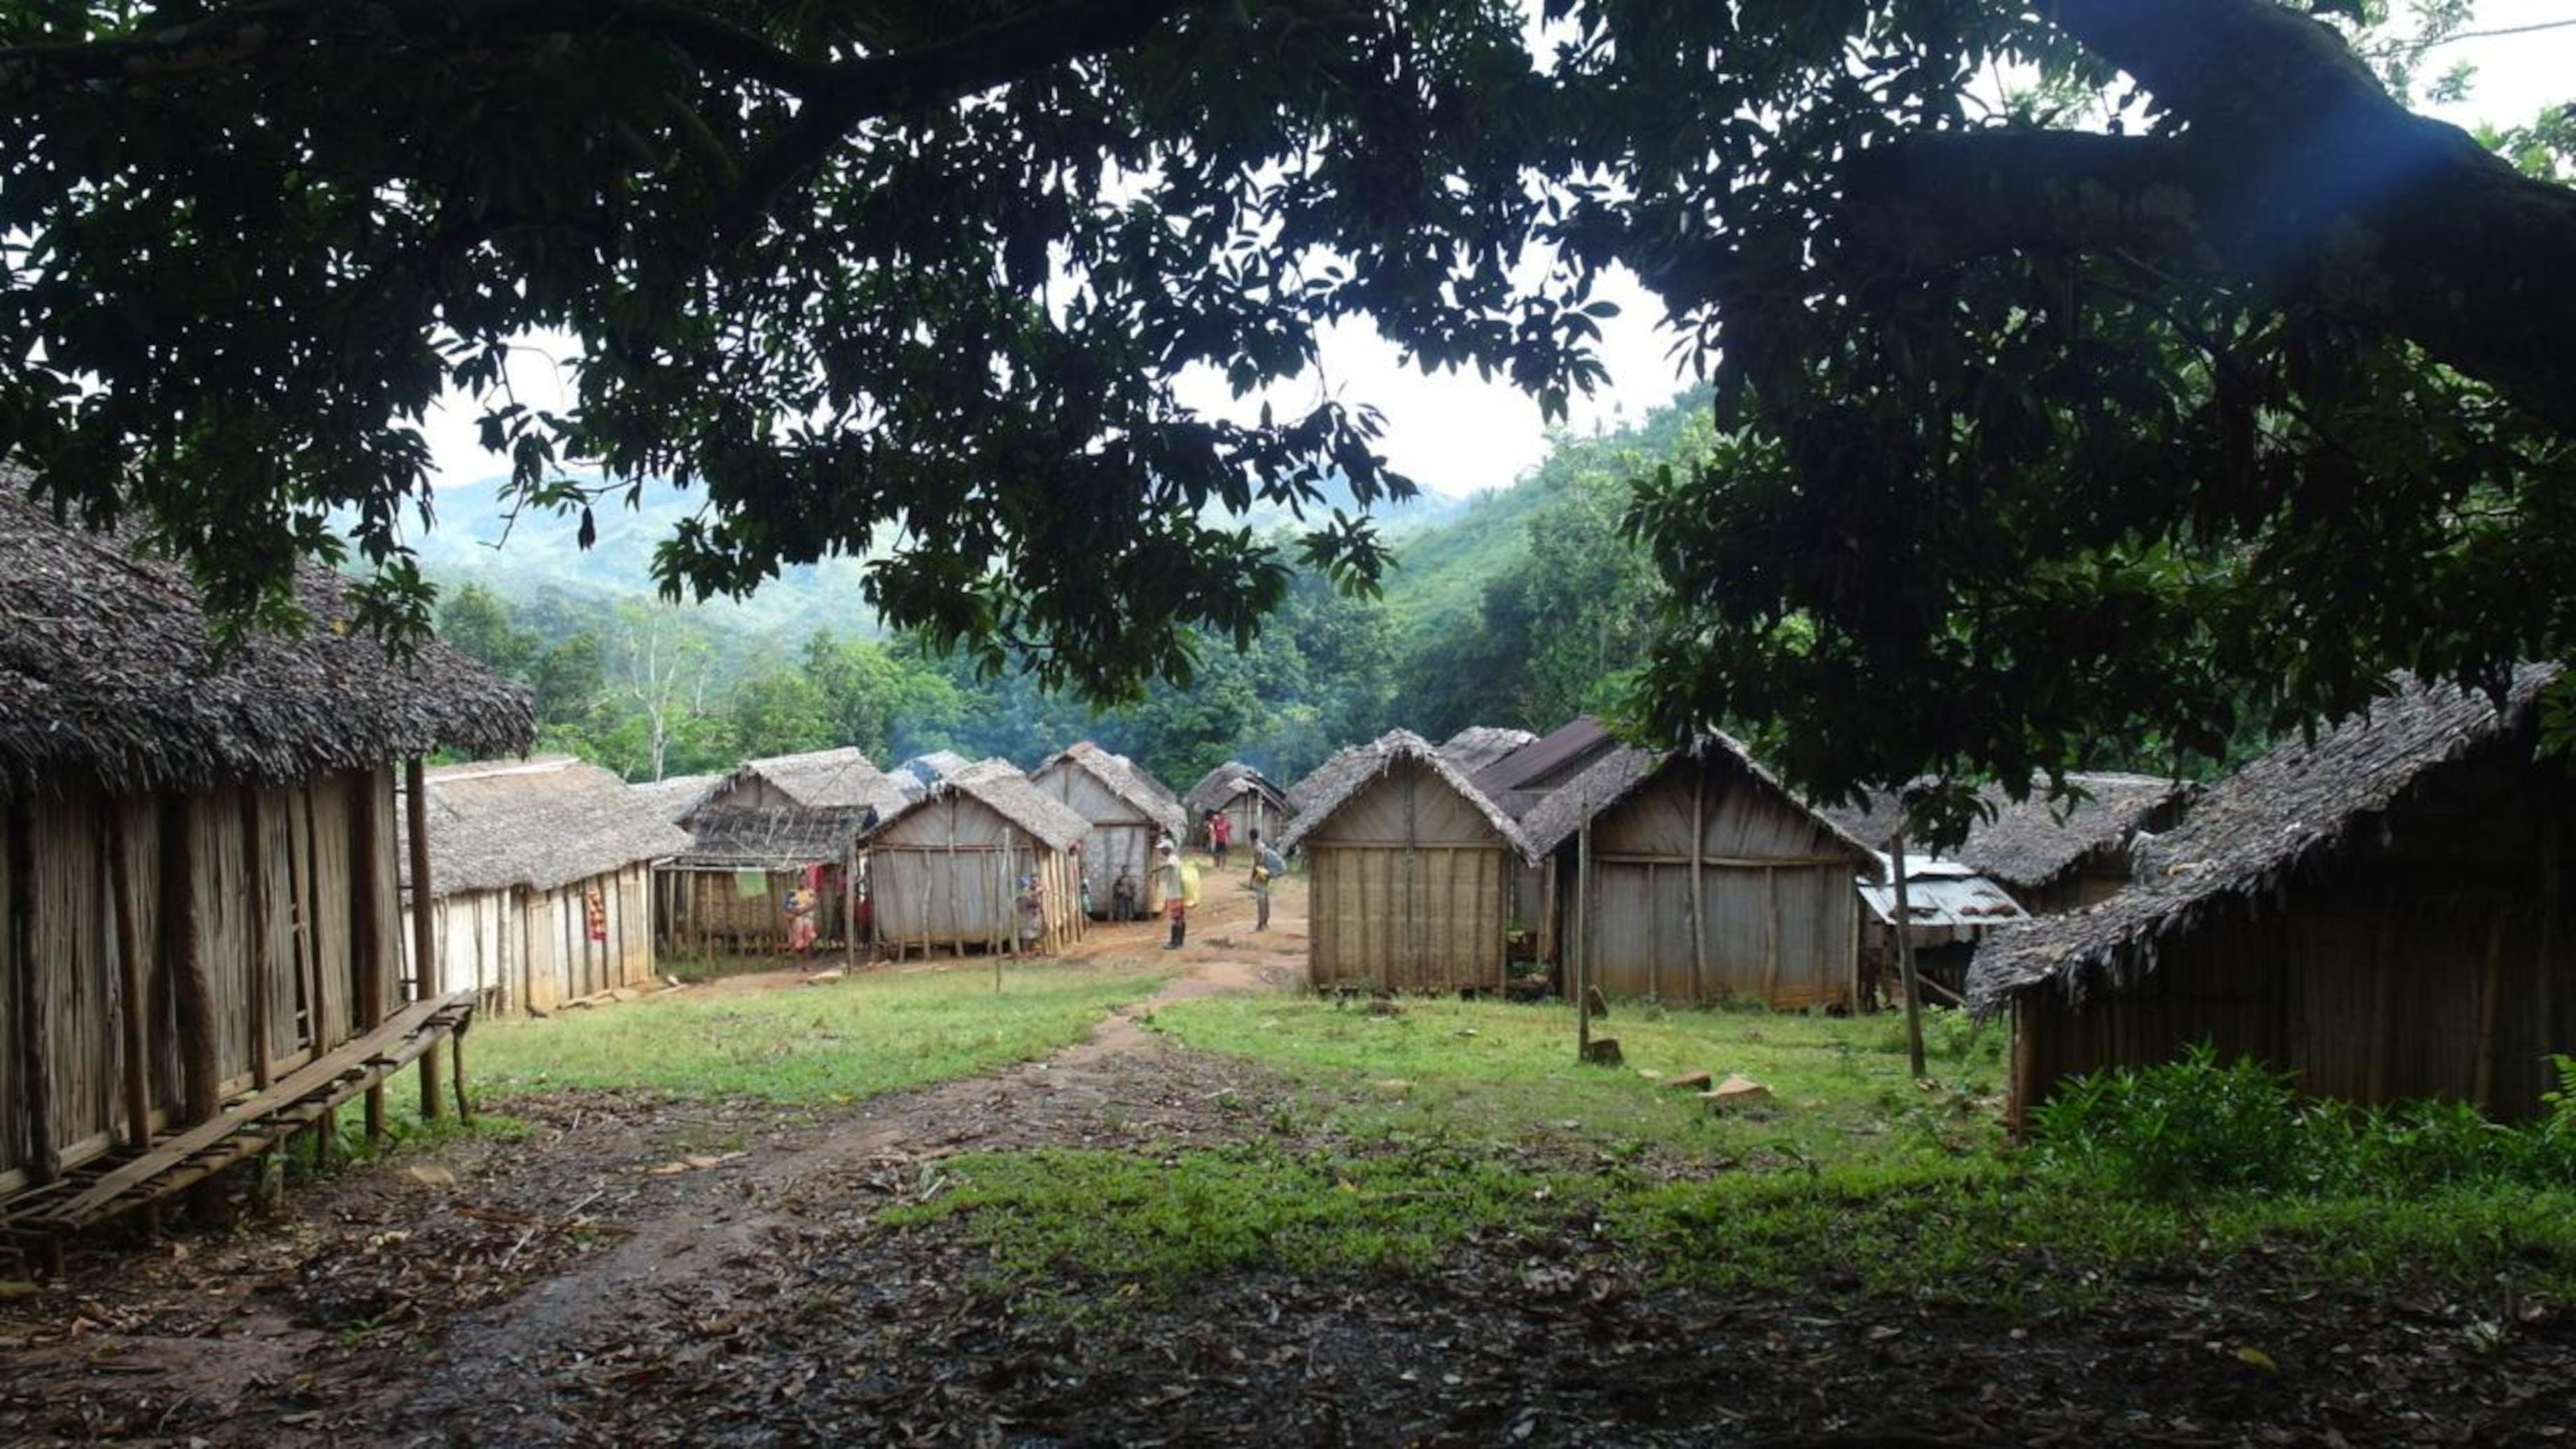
{"x":1407,"y":864}
{"x":2380,"y":913}
{"x":1247,"y":798}
{"x":1129,"y":811}
{"x":1692,"y":875}
{"x":773,"y":862}
{"x":980,"y":859}
{"x":198,"y":902}
{"x":543,"y":879}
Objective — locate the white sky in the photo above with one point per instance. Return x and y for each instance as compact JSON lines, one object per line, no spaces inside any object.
{"x":1456,"y":434}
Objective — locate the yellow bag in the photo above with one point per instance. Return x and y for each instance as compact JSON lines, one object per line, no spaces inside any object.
{"x":1189,"y":885}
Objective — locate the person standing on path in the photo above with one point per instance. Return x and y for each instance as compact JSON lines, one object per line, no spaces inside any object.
{"x":1267,"y":866}
{"x":1176,"y":885}
{"x":1220,"y":835}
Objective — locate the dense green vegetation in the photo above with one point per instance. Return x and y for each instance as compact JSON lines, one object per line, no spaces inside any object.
{"x":1524,"y":607}
{"x":1388,"y":1142}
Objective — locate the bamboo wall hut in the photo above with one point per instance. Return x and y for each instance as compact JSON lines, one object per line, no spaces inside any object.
{"x":1244,"y":796}
{"x":2379,"y":913}
{"x":543,"y":879}
{"x":1406,"y":863}
{"x":1128,"y":812}
{"x":197,"y":889}
{"x":1693,"y":875}
{"x":946,"y":869}
{"x":764,"y":833}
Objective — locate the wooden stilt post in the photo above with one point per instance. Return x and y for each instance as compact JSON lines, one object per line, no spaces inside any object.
{"x":1698,"y":886}
{"x":1582,"y":935}
{"x":134,"y":1011}
{"x":2490,"y":1006}
{"x":1905,"y":962}
{"x":368,"y":938}
{"x":31,"y":1006}
{"x":425,"y":965}
{"x":191,"y":990}
{"x":263,"y":1026}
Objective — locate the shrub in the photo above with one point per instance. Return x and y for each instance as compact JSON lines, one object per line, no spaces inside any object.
{"x":2171,"y":1131}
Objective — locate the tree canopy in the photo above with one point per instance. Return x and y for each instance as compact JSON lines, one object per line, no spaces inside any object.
{"x":2086,"y":369}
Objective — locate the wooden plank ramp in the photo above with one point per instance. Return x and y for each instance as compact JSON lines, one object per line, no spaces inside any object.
{"x":251,"y":1126}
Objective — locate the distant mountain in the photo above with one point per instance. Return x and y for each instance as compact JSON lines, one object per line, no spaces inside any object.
{"x":476,"y":540}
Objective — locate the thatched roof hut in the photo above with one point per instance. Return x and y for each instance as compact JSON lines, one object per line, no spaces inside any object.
{"x":108,"y":674}
{"x":216,"y":820}
{"x":542,"y":873}
{"x":1128,"y":811}
{"x":2376,"y":911}
{"x":1144,"y":797}
{"x":1409,"y":866}
{"x":1706,"y":879}
{"x":772,"y":833}
{"x":1473,"y":748}
{"x":538,"y":824}
{"x":946,"y":869}
{"x":1247,"y":798}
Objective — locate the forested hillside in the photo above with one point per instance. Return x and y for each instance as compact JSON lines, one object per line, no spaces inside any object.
{"x":1518,"y":607}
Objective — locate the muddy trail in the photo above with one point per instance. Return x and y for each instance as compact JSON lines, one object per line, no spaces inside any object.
{"x":645,"y":1272}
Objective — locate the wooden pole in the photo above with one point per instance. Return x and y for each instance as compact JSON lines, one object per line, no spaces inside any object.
{"x":1905,"y":962}
{"x":1698,"y":884}
{"x":134,"y":1015}
{"x":368,"y":938}
{"x":262,"y":1012}
{"x":192,"y":990}
{"x":850,"y":907}
{"x":2490,"y":1005}
{"x":31,"y":1006}
{"x":426,"y":972}
{"x":1581,"y":936}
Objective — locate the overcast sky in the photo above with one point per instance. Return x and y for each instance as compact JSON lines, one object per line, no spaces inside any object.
{"x":1457,"y":435}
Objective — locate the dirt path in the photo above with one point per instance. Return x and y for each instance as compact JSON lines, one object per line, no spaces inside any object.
{"x":519,"y":1260}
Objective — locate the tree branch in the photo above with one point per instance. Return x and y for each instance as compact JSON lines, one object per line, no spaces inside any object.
{"x":2293,"y":172}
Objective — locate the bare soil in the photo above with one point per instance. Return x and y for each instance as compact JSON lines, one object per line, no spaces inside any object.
{"x":643,"y":1272}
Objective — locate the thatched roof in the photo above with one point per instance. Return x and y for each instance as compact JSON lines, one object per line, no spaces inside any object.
{"x":2251,"y":832}
{"x":539,"y":824}
{"x":997,"y":784}
{"x":840,"y":779}
{"x":1150,"y":798}
{"x":739,"y":837}
{"x":2031,"y":842}
{"x":107,"y":672}
{"x":2034,"y":841}
{"x":1626,"y":769}
{"x":1346,"y":774}
{"x":1218,"y":788}
{"x":679,"y":795}
{"x":1477,"y":746}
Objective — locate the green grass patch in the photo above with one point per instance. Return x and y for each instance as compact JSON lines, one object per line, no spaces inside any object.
{"x":1410,"y":1136}
{"x":854,"y":1038}
{"x":1493,"y":1073}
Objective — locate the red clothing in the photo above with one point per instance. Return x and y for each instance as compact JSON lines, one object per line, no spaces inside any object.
{"x":1221,"y":830}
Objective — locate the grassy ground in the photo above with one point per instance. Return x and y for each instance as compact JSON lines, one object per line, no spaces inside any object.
{"x":871,"y":1033}
{"x":1399,"y":1140}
